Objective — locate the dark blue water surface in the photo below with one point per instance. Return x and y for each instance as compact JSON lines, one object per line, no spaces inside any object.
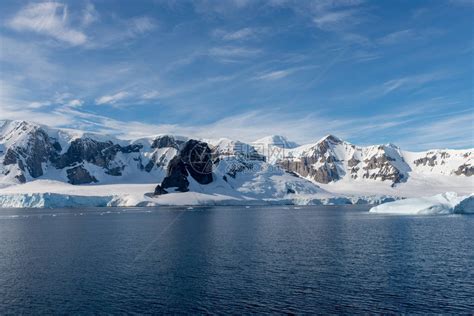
{"x":234,"y":260}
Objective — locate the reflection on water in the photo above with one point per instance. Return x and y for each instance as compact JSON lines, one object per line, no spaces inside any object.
{"x":234,"y":259}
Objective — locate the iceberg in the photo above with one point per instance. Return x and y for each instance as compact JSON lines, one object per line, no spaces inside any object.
{"x":445,"y":203}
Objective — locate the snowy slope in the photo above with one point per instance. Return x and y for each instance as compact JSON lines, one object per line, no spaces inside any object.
{"x":74,"y":163}
{"x":342,"y":167}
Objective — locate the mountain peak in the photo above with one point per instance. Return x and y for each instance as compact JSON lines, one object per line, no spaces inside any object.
{"x":276,"y":140}
{"x":331,"y":138}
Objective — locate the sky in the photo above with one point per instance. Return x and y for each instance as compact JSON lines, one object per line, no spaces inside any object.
{"x":370,"y":72}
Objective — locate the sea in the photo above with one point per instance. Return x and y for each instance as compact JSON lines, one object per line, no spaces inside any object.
{"x":234,"y":260}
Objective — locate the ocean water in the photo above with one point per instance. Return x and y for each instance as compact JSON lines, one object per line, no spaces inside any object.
{"x":321,"y":259}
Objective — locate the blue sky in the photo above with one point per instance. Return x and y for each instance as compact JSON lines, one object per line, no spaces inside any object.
{"x":366,"y":71}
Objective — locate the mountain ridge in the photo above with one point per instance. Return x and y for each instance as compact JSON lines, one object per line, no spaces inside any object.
{"x":30,"y":151}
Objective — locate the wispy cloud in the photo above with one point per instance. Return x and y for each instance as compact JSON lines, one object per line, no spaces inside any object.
{"x":233,"y":53}
{"x":330,"y":20}
{"x":398,"y":36}
{"x":241,"y":34}
{"x":274,"y":75}
{"x":282,"y":73}
{"x":89,"y":15}
{"x":50,"y":19}
{"x":150,"y":95}
{"x":408,"y":127}
{"x":140,"y":25}
{"x":32,"y":62}
{"x":406,"y":83}
{"x":75,"y":103}
{"x":452,"y":131}
{"x":112,"y":98}
{"x":410,"y":82}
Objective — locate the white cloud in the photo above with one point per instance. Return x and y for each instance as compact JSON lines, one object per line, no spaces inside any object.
{"x":221,"y":7}
{"x":396,"y":37}
{"x":75,"y":103}
{"x":452,"y":131}
{"x":140,"y":25}
{"x":233,"y":53}
{"x":329,"y":20}
{"x":406,"y":83}
{"x":410,"y":127}
{"x":112,"y":99}
{"x":282,"y":73}
{"x":50,"y":19}
{"x":90,"y":15}
{"x":38,"y":105}
{"x":410,"y":82}
{"x":31,"y":61}
{"x":241,"y":34}
{"x":151,"y":95}
{"x":274,"y":75}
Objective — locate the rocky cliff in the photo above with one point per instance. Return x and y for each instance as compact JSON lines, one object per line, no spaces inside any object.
{"x":30,"y":151}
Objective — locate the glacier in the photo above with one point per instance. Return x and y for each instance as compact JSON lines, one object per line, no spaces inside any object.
{"x":50,"y":194}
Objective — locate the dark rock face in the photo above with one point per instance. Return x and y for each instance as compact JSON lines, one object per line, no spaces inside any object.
{"x":238,"y":166}
{"x":98,"y":153}
{"x":166,"y":141}
{"x":197,"y":157}
{"x":328,"y":169}
{"x":326,"y":173}
{"x":322,"y":164}
{"x":79,"y":175}
{"x":11,"y":157}
{"x":40,"y":149}
{"x":177,"y":176}
{"x":430,"y":161}
{"x":117,"y":171}
{"x":21,"y":178}
{"x":466,"y":170}
{"x":86,"y":149}
{"x":386,"y":170}
{"x":159,"y":190}
{"x":149,"y":166}
{"x":353,"y":162}
{"x":194,"y":159}
{"x":157,"y":160}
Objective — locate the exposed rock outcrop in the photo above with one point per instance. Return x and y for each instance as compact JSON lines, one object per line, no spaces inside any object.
{"x":29,"y":151}
{"x":177,"y":176}
{"x":195,"y":160}
{"x":384,"y":169}
{"x":466,"y":170}
{"x":79,"y":175}
{"x":166,"y":141}
{"x":317,"y":163}
{"x":159,"y":190}
{"x":95,"y":152}
{"x":430,"y":161}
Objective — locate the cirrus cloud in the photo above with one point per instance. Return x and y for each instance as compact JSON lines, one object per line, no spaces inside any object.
{"x":50,"y":19}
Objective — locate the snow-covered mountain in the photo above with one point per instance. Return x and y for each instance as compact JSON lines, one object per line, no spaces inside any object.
{"x":271,"y":168}
{"x":31,"y":151}
{"x":332,"y":159}
{"x":276,"y":141}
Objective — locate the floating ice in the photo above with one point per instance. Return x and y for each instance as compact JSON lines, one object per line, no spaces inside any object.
{"x":446,"y":203}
